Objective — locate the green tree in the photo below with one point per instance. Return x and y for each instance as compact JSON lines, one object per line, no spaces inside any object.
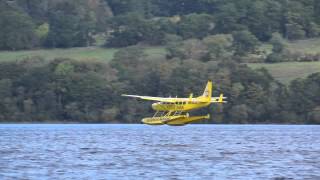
{"x":128,"y":61}
{"x":195,"y":26}
{"x":278,"y":43}
{"x":227,"y":18}
{"x":17,"y":31}
{"x":239,"y":114}
{"x":219,"y":46}
{"x":122,"y":7}
{"x":314,"y":116}
{"x":42,"y":32}
{"x":313,"y":30}
{"x":64,"y":68}
{"x":294,"y":31}
{"x":244,"y":42}
{"x":188,"y":49}
{"x":70,"y":26}
{"x":131,"y":29}
{"x":263,"y":18}
{"x":278,"y":47}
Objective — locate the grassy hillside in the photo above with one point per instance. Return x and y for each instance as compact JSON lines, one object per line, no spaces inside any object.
{"x":284,"y":72}
{"x":306,"y":46}
{"x":288,"y":71}
{"x":88,"y":53}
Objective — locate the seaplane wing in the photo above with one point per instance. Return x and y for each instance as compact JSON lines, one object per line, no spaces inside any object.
{"x":150,"y":98}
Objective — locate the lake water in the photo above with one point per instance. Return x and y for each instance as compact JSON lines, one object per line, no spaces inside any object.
{"x":159,"y":152}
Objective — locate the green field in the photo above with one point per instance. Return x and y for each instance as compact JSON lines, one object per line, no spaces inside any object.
{"x":306,"y":46}
{"x":288,"y":71}
{"x":87,"y":53}
{"x":311,"y":46}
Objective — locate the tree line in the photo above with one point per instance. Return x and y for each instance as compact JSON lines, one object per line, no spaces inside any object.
{"x":90,"y":91}
{"x":74,"y":23}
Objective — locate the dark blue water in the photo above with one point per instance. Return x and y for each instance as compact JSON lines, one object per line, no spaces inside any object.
{"x":161,"y":152}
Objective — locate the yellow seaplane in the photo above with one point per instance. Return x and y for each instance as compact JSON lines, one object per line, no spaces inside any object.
{"x":174,"y":111}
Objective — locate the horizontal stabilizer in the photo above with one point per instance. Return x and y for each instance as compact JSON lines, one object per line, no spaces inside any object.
{"x":220,"y":99}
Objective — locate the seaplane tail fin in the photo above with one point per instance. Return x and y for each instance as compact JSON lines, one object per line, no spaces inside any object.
{"x":208,"y":91}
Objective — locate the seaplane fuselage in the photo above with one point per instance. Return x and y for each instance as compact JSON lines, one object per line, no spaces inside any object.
{"x":179,"y":105}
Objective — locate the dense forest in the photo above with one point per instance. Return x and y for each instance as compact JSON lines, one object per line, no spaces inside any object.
{"x":204,"y":39}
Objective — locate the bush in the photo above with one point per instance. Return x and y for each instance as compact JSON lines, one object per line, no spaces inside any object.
{"x":274,"y":58}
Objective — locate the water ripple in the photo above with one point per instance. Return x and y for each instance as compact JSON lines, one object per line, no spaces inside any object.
{"x":162,"y":152}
